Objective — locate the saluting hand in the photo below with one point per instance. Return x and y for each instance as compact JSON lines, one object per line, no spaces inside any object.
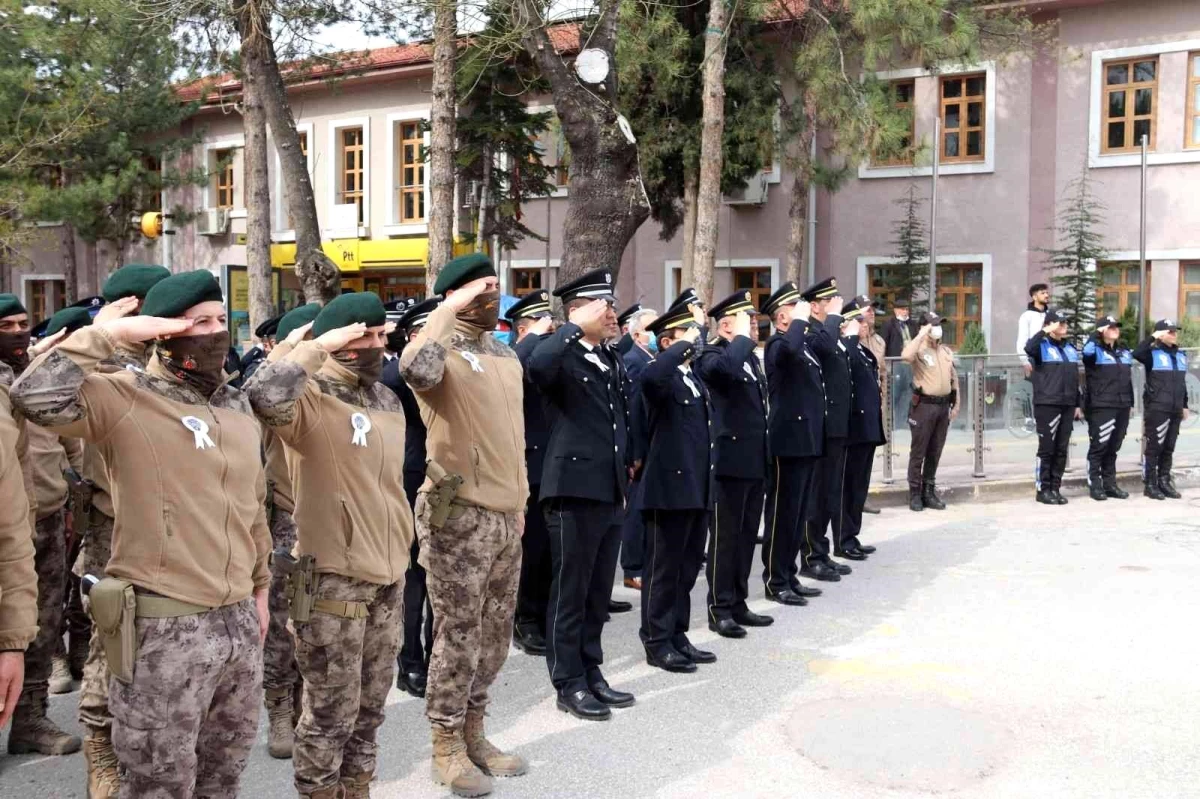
{"x":296,"y":336}
{"x":836,"y":304}
{"x":691,"y":335}
{"x":697,"y":313}
{"x":338,"y":338}
{"x":590,"y":317}
{"x":116,"y":310}
{"x":741,"y":324}
{"x":802,"y":311}
{"x":47,"y":343}
{"x":924,"y":331}
{"x":136,"y":329}
{"x":542,"y":326}
{"x":461,"y":298}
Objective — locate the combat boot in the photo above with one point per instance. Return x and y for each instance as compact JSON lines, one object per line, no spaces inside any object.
{"x":61,"y":680}
{"x":453,"y":768}
{"x":485,"y":755}
{"x":77,"y":653}
{"x":1096,"y":492}
{"x":1166,"y":484}
{"x":281,"y":732}
{"x":332,"y":792}
{"x":33,"y":733}
{"x":103,"y":781}
{"x":914,"y":499}
{"x":1113,"y":490}
{"x":357,"y":786}
{"x":930,"y":498}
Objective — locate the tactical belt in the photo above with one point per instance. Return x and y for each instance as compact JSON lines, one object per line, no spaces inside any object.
{"x":161,"y":607}
{"x":336,"y":607}
{"x":944,"y":400}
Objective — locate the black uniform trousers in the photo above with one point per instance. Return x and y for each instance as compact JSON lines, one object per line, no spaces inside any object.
{"x":1054,"y":423}
{"x":733,"y":527}
{"x":928,"y":422}
{"x":1106,"y":433}
{"x":414,"y":654}
{"x":860,"y":458}
{"x":1162,"y":429}
{"x":674,"y":553}
{"x":585,"y":538}
{"x":826,"y":510}
{"x":789,"y":495}
{"x":633,"y":533}
{"x":533,"y":595}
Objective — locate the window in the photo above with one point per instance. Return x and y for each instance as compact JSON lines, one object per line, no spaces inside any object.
{"x":1119,"y":287}
{"x":1130,"y":98}
{"x":151,"y":191}
{"x":959,"y":299}
{"x":756,"y":280}
{"x":1191,"y":123}
{"x":1189,"y":290}
{"x":881,"y":285}
{"x":903,"y":93}
{"x":410,"y":191}
{"x":524,"y":280}
{"x":223,"y":179}
{"x":963,"y":118}
{"x":46,"y":297}
{"x":350,"y":189}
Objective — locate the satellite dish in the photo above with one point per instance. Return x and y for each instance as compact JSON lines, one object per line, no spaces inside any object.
{"x":592,"y":65}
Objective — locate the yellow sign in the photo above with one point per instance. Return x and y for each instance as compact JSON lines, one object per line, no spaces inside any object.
{"x":353,"y":255}
{"x":239,"y":238}
{"x":239,"y":289}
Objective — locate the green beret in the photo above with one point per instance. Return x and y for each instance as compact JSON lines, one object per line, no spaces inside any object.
{"x":133,"y":280}
{"x":10,"y":305}
{"x":297,"y":317}
{"x":69,"y":319}
{"x":349,"y":309}
{"x":463,"y":270}
{"x":172,"y":296}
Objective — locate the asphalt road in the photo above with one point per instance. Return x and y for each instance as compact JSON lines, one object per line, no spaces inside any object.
{"x":991,"y":650}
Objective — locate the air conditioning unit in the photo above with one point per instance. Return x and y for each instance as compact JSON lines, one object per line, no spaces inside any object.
{"x":753,"y":193}
{"x":213,"y":222}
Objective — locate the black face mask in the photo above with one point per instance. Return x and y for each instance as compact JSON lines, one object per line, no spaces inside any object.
{"x":14,"y":350}
{"x":367,"y":363}
{"x":198,"y":361}
{"x":483,"y":312}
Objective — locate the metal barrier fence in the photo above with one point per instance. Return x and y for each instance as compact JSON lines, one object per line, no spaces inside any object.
{"x":994,"y":434}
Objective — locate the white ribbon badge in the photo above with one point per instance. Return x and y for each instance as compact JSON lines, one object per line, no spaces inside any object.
{"x":470,"y":358}
{"x":688,"y":382}
{"x":362,"y":425}
{"x":199,"y":429}
{"x":746,"y":368}
{"x":592,"y":357}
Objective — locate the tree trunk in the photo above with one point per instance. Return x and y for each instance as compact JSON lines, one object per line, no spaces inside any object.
{"x":319,"y":276}
{"x":258,"y":196}
{"x":708,"y":197}
{"x":443,"y":118}
{"x":798,"y":211}
{"x":691,"y":188}
{"x":485,"y":201}
{"x":606,"y":203}
{"x":70,"y":263}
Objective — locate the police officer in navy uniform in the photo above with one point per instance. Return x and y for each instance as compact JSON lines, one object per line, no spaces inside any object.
{"x":826,"y":509}
{"x":626,"y":342}
{"x":678,"y":478}
{"x":1165,"y":403}
{"x":795,"y":438}
{"x":737,"y":384}
{"x":866,"y":428}
{"x":633,"y":529}
{"x":1055,"y":363}
{"x":1107,"y":398}
{"x":265,"y":333}
{"x":413,"y":658}
{"x":583,"y":488}
{"x":532,"y":322}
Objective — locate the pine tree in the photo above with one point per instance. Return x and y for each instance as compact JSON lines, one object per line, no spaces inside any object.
{"x":1073,"y":264}
{"x":974,"y":342}
{"x":909,"y":276}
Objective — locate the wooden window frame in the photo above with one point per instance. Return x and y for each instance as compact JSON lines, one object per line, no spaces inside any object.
{"x":758,"y":294}
{"x":223,"y":185}
{"x":1191,"y":122}
{"x":905,"y":156}
{"x":959,"y":321}
{"x":46,"y":296}
{"x":963,"y":101}
{"x":1130,"y":118}
{"x":1122,"y":289}
{"x":879,"y":291}
{"x":407,"y":170}
{"x":357,"y":195}
{"x":519,"y":285}
{"x":1184,"y":287}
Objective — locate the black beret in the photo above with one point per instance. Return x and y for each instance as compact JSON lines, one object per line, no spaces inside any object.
{"x":350,"y":309}
{"x":463,"y":270}
{"x":69,"y":319}
{"x":10,"y":305}
{"x":133,"y":280}
{"x":297,"y":317}
{"x":267,"y":329}
{"x":172,"y":296}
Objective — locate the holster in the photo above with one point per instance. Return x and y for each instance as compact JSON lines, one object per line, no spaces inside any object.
{"x":302,"y":580}
{"x":441,"y":496}
{"x":79,"y":497}
{"x":113,"y":608}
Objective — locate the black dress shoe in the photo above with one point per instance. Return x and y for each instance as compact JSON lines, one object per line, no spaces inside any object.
{"x":751,"y":619}
{"x":619,"y":606}
{"x":1046,"y":497}
{"x":672,"y":661}
{"x":850,"y":554}
{"x":696,"y":655}
{"x":607,"y":695}
{"x":412,"y":682}
{"x":787,"y":597}
{"x":582,"y":705}
{"x":866,"y":549}
{"x":529,"y":640}
{"x":1115,"y":492}
{"x":1059,"y":499}
{"x":800,"y":589}
{"x":869,"y":508}
{"x":840,"y":568}
{"x":819,"y":571}
{"x":727,"y":628}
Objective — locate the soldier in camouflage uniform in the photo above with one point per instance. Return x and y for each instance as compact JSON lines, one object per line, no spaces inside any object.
{"x":470,"y":389}
{"x":190,"y":538}
{"x":345,"y":437}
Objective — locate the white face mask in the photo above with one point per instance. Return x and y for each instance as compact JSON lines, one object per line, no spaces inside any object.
{"x":935,"y":332}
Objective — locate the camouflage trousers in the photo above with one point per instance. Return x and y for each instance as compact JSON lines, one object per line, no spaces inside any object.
{"x":93,"y":692}
{"x":473,"y":566}
{"x":185,"y":725}
{"x":50,"y":558}
{"x":347,"y":666}
{"x":279,"y":650}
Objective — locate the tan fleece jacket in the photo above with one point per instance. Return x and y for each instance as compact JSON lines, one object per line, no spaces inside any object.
{"x":125,"y":357}
{"x":351,"y":512}
{"x":190,"y":520}
{"x":18,"y":580}
{"x":276,"y":451}
{"x":49,"y":456}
